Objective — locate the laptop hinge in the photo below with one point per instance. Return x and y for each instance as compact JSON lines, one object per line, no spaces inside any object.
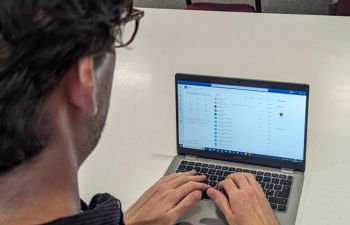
{"x":190,"y":157}
{"x":287,"y":170}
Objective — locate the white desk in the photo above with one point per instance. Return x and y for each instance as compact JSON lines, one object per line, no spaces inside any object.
{"x":139,"y":139}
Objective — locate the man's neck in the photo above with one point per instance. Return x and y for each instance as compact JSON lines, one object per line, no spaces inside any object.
{"x":42,"y":189}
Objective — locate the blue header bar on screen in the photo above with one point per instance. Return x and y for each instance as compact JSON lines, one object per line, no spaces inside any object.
{"x":205,"y":84}
{"x":195,"y":83}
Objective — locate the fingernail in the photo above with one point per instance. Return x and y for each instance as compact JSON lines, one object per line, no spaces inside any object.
{"x":210,"y":191}
{"x":198,"y":195}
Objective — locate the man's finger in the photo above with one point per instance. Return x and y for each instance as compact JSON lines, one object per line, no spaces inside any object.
{"x":252,"y":181}
{"x":173,"y":176}
{"x":179,"y":181}
{"x":228,"y":185}
{"x":221,"y":202}
{"x":184,"y":190}
{"x":240,"y":180}
{"x":188,"y":202}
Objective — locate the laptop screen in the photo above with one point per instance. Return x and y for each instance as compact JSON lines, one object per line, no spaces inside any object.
{"x":242,"y":120}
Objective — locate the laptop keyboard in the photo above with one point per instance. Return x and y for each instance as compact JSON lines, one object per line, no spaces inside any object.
{"x":277,"y":187}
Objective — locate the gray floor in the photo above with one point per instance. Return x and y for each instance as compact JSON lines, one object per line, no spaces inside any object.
{"x":319,"y":7}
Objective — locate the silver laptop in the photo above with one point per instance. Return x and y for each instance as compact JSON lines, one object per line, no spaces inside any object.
{"x":227,"y":125}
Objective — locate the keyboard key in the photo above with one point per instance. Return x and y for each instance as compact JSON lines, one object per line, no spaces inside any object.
{"x":219,"y":172}
{"x":286,"y":182}
{"x":283,"y":176}
{"x":184,"y":162}
{"x":290,"y":178}
{"x":280,"y":194}
{"x":225,"y":168}
{"x":204,"y":170}
{"x":232,"y":169}
{"x":270,"y":192}
{"x":212,"y":171}
{"x":191,"y":163}
{"x":189,"y":168}
{"x":253,"y":172}
{"x":275,"y":180}
{"x":282,"y":201}
{"x":182,"y":167}
{"x":269,"y":186}
{"x":273,"y":206}
{"x":286,"y":188}
{"x":267,"y":179}
{"x":238,"y":170}
{"x":213,"y":178}
{"x":246,"y":171}
{"x":278,"y":187}
{"x":211,"y":166}
{"x":197,"y":168}
{"x":267,"y":174}
{"x":274,"y":175}
{"x":260,"y":173}
{"x":204,"y":165}
{"x":198,"y":164}
{"x":218,"y":167}
{"x":259,"y":178}
{"x":281,"y":208}
{"x":226,"y":173}
{"x":213,"y":183}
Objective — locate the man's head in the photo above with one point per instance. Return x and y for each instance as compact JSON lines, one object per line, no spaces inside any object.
{"x":42,"y":44}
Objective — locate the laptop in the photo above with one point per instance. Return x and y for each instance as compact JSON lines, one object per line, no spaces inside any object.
{"x":229,"y":125}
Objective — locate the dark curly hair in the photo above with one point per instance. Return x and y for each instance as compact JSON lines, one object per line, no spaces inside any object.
{"x":39,"y":41}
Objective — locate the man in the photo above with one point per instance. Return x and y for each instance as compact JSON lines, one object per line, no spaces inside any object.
{"x":56,"y":68}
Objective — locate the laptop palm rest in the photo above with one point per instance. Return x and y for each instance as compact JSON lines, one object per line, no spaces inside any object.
{"x":205,"y":212}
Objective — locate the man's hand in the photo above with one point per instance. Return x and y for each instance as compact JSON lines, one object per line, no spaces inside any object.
{"x":167,"y":200}
{"x":247,"y":204}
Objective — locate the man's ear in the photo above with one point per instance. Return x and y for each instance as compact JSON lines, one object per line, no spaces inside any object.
{"x":80,"y":85}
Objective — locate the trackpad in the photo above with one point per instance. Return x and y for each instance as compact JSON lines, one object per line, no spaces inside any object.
{"x":205,"y":213}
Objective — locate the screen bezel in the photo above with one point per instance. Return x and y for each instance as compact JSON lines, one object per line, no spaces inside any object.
{"x":242,"y":158}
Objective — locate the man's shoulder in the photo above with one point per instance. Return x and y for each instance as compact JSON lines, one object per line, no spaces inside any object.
{"x":102,"y":209}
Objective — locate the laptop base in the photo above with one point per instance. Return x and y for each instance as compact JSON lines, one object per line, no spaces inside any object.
{"x":205,"y":212}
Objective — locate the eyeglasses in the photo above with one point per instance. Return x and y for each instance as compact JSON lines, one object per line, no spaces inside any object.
{"x":134,"y":15}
